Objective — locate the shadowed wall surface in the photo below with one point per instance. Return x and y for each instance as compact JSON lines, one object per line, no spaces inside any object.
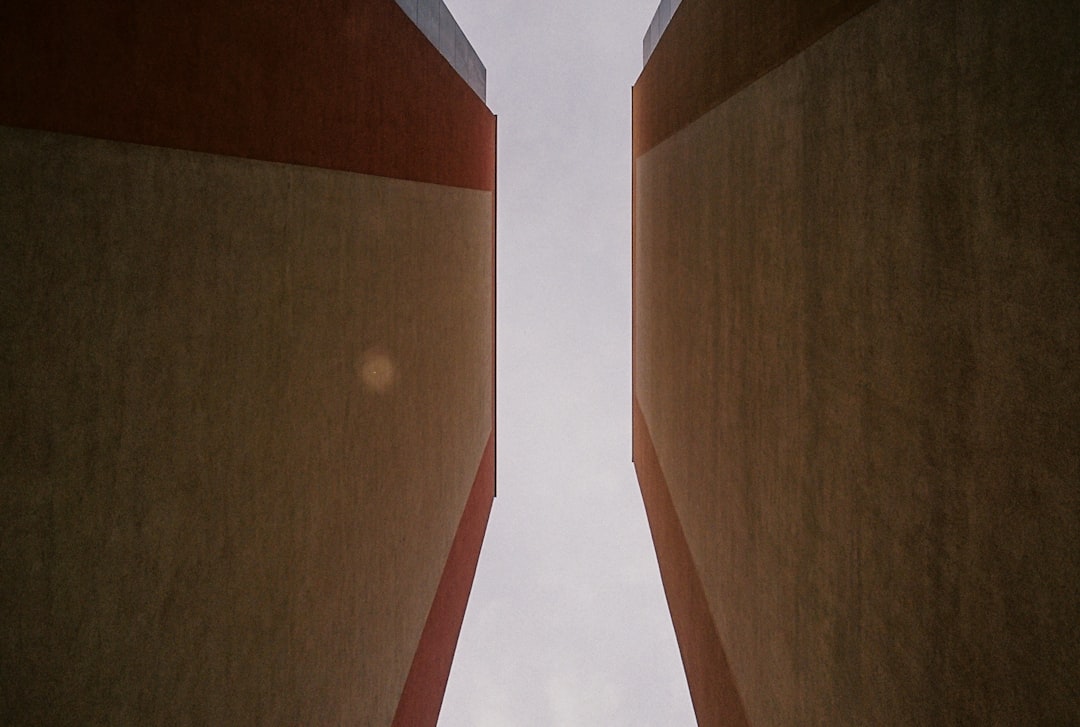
{"x":857,"y":355}
{"x":247,"y":453}
{"x":210,"y":516}
{"x":339,"y":84}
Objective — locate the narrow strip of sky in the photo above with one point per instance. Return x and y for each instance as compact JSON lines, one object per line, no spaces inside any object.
{"x":567,"y":623}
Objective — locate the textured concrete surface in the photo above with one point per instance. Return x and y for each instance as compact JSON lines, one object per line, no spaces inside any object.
{"x":857,"y":349}
{"x":234,"y":395}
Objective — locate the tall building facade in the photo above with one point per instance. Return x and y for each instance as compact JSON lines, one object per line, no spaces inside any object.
{"x":246,"y":317}
{"x":856,"y":356}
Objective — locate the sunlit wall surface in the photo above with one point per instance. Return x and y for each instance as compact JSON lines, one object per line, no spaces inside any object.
{"x":857,"y":288}
{"x":246,"y":315}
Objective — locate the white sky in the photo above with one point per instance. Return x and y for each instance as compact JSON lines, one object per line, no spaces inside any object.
{"x":567,"y":622}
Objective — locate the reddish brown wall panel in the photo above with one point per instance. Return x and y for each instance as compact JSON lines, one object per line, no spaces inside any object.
{"x":710,"y":50}
{"x":712,"y":685}
{"x":422,"y":697}
{"x":351,"y":85}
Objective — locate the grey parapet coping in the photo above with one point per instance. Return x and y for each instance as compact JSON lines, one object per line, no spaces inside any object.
{"x":659,"y":24}
{"x":438,"y":25}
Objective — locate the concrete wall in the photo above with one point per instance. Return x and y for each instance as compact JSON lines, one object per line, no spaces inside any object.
{"x":247,"y":402}
{"x":856,"y":356}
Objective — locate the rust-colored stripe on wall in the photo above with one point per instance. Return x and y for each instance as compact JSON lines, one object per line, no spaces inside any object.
{"x":712,"y":685}
{"x":337,"y":84}
{"x":422,"y":696}
{"x":711,"y":50}
{"x":494,"y":297}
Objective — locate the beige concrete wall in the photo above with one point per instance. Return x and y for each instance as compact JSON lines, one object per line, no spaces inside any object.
{"x":858,"y":352}
{"x":209,"y":516}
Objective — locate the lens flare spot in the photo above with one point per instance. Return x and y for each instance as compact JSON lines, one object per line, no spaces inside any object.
{"x":377,"y":370}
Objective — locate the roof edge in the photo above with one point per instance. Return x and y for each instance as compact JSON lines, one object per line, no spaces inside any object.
{"x":437,"y":24}
{"x":659,"y":24}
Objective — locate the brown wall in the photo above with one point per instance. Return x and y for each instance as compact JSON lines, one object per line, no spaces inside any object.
{"x":728,"y":46}
{"x":338,"y":84}
{"x":247,"y":437}
{"x":209,"y":516}
{"x":856,"y":352}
